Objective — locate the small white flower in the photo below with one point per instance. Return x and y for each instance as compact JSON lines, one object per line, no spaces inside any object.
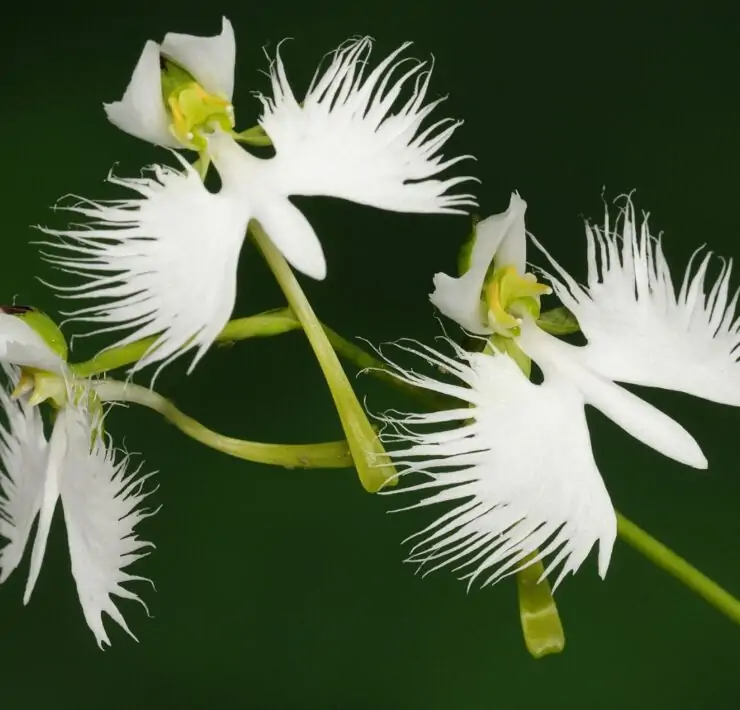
{"x":100,"y":499}
{"x":210,"y":60}
{"x":163,"y":262}
{"x":517,"y":460}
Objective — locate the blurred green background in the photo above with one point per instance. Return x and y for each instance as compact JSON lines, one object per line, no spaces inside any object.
{"x":286,"y":589}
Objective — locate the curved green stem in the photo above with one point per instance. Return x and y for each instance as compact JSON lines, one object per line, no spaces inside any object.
{"x":669,"y":561}
{"x":326,"y":455}
{"x":259,"y":326}
{"x":381,"y":371}
{"x":372,"y":463}
{"x":262,"y":325}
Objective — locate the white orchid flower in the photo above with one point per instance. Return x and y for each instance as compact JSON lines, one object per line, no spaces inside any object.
{"x":76,"y":465}
{"x":517,"y":460}
{"x":210,"y":60}
{"x":164,"y":262}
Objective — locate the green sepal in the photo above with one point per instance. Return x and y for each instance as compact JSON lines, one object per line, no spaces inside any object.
{"x":541,"y":625}
{"x":466,"y":250}
{"x":255,"y":136}
{"x":558,"y":321}
{"x":43,"y":325}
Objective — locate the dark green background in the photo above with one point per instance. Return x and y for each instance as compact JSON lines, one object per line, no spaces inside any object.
{"x":280,"y":589}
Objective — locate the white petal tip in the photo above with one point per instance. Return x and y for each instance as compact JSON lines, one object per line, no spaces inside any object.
{"x":319,"y":272}
{"x":313,"y":269}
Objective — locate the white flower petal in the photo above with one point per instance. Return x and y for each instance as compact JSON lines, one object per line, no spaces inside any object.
{"x":141,"y":111}
{"x":56,"y":453}
{"x":639,"y":329}
{"x":634,"y":415}
{"x":21,"y":345}
{"x":345,"y":141}
{"x":292,"y":234}
{"x":500,"y":236}
{"x":284,"y":223}
{"x":517,"y":464}
{"x":23,"y":452}
{"x":512,"y":249}
{"x":210,"y":60}
{"x":101,"y":502}
{"x":161,"y":263}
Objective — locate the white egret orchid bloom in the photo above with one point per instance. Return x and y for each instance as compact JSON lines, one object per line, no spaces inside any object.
{"x":76,"y":465}
{"x":210,"y":60}
{"x":164,"y":262}
{"x":517,"y":460}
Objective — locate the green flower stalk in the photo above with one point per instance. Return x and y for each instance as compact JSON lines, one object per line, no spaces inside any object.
{"x":325,"y":455}
{"x":373,"y":466}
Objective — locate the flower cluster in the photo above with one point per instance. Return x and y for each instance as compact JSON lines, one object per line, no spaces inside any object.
{"x":512,"y":456}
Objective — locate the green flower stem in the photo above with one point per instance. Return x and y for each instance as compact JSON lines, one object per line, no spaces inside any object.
{"x":541,"y":625}
{"x":669,"y":561}
{"x":327,"y":455}
{"x":372,"y":463}
{"x":263,"y":325}
{"x":258,"y":326}
{"x":113,"y":358}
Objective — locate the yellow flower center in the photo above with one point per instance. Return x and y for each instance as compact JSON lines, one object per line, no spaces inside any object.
{"x":510,"y":296}
{"x":194,"y":113}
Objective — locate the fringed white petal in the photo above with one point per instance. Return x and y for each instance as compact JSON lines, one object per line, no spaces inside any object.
{"x":517,"y":466}
{"x":640,"y":329}
{"x":161,"y":263}
{"x":102,"y":506}
{"x":501,"y":237}
{"x":347,"y":140}
{"x":211,"y":60}
{"x":141,"y":111}
{"x":634,"y":415}
{"x":21,"y":345}
{"x":23,"y":452}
